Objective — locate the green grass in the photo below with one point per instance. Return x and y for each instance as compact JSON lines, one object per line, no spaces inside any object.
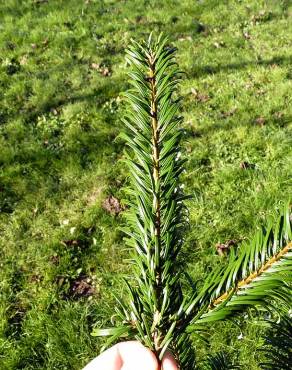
{"x":62,"y":72}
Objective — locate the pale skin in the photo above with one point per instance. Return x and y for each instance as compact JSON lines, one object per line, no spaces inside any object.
{"x":130,"y":355}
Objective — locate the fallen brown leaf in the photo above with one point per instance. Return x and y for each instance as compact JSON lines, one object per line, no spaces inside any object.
{"x":223,"y":248}
{"x":228,"y":113}
{"x":112,"y":205}
{"x":203,"y":98}
{"x":95,"y":66}
{"x":246,"y":35}
{"x":105,"y":71}
{"x":70,"y":243}
{"x":82,"y":287}
{"x":260,"y":121}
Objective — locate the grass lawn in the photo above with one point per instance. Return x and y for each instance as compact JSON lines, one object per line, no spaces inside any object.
{"x":62,"y":72}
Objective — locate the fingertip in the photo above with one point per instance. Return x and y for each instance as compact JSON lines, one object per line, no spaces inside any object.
{"x":133,"y":353}
{"x":168,"y":362}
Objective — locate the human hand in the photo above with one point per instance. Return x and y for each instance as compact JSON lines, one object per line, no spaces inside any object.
{"x":130,"y":355}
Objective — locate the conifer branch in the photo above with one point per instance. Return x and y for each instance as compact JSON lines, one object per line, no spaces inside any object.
{"x":277,"y":347}
{"x":219,"y":361}
{"x":254,"y":275}
{"x":156,"y":312}
{"x":157,"y":219}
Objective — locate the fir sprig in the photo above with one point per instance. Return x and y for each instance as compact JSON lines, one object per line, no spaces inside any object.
{"x":158,"y":218}
{"x":156,"y":312}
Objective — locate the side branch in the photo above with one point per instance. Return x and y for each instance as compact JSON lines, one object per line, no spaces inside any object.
{"x":252,"y":276}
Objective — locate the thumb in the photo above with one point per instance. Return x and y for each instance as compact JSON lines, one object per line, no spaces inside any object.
{"x":135,"y":356}
{"x":168,"y":362}
{"x":130,"y":355}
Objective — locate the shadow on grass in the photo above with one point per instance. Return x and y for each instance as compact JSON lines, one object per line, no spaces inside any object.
{"x":222,"y":125}
{"x":201,"y":71}
{"x":97,"y":97}
{"x":39,"y":155}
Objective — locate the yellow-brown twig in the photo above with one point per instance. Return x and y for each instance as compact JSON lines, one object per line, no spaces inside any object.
{"x":252,"y":276}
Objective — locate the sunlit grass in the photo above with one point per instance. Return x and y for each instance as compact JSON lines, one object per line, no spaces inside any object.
{"x":62,"y":72}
